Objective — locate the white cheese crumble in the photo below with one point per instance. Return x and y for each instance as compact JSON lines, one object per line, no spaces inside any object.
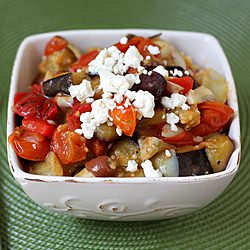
{"x":176,"y":100}
{"x":177,"y":73}
{"x":82,"y":91}
{"x":149,"y":170}
{"x":187,"y":72}
{"x":154,"y":50}
{"x":132,"y":166}
{"x":144,"y":103}
{"x":118,"y":131}
{"x":132,"y":57}
{"x":161,"y":70}
{"x":168,"y":153}
{"x":89,"y":100}
{"x":112,"y":83}
{"x":148,"y":57}
{"x":124,"y":40}
{"x":172,"y":119}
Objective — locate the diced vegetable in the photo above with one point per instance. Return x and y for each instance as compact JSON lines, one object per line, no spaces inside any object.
{"x":185,"y":82}
{"x":97,"y":147}
{"x":38,"y":126}
{"x":214,"y":116}
{"x":218,"y":149}
{"x":29,"y":145}
{"x":189,"y":118}
{"x":69,"y":146}
{"x":101,"y":166}
{"x":55,"y":44}
{"x":194,"y":163}
{"x":211,"y":79}
{"x":84,"y":173}
{"x":159,"y":118}
{"x":106,"y":133}
{"x":149,"y":146}
{"x":59,"y":84}
{"x":168,"y":166}
{"x":199,"y":95}
{"x":51,"y":166}
{"x":125,"y":150}
{"x":124,"y":118}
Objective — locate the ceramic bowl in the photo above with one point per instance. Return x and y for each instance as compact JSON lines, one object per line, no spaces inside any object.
{"x":124,"y":199}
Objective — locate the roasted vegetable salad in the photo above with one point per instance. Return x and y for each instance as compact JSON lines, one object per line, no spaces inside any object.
{"x":139,"y":108}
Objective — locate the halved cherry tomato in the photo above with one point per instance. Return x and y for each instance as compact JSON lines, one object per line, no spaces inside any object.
{"x":57,"y":43}
{"x":38,"y":126}
{"x":73,"y":119}
{"x":36,"y":89}
{"x":19,"y":96}
{"x":50,"y":110}
{"x":29,"y":105}
{"x":140,"y":43}
{"x":185,"y":82}
{"x":97,"y":147}
{"x":29,"y":145}
{"x":69,"y":146}
{"x":214,"y":116}
{"x":124,"y":118}
{"x":182,"y":139}
{"x":84,"y":60}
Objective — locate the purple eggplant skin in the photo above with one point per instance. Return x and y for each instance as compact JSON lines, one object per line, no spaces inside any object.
{"x":194,"y":163}
{"x":59,"y":84}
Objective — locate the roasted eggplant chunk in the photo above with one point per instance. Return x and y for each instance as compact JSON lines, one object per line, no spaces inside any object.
{"x":59,"y":84}
{"x":194,"y":163}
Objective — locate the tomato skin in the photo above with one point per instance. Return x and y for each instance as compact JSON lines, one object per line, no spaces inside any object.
{"x":56,"y":43}
{"x":124,"y":118}
{"x":38,"y":126}
{"x":36,"y":89}
{"x":214,"y":116}
{"x":97,"y":147}
{"x":50,"y":110}
{"x":19,"y":96}
{"x":30,"y":105}
{"x":84,"y":60}
{"x":140,"y":43}
{"x":29,"y":145}
{"x":182,"y":139}
{"x":73,"y":119}
{"x":69,"y":146}
{"x":185,"y":82}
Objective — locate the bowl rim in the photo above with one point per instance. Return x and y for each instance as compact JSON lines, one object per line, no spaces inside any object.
{"x":14,"y":163}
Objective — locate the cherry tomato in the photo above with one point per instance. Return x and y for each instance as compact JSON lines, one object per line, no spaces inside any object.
{"x":73,"y":119}
{"x":69,"y":146}
{"x":29,"y":145}
{"x":57,"y":43}
{"x":97,"y":147}
{"x":214,"y":116}
{"x":84,"y":60}
{"x":124,"y":118}
{"x":36,"y":89}
{"x":182,"y":139}
{"x":141,"y":44}
{"x":185,"y":82}
{"x":19,"y":96}
{"x":29,"y":105}
{"x":50,"y":110}
{"x":38,"y":126}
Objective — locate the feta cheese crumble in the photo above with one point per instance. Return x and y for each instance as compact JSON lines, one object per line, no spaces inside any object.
{"x":144,"y":103}
{"x":172,"y":119}
{"x":149,"y":170}
{"x":118,"y":131}
{"x":132,"y":57}
{"x":175,"y":101}
{"x":124,"y":40}
{"x":168,"y":153}
{"x":154,"y":50}
{"x":82,"y":91}
{"x":161,"y":70}
{"x":132,"y":166}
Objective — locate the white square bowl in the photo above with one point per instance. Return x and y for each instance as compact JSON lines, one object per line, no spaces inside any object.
{"x":124,"y":198}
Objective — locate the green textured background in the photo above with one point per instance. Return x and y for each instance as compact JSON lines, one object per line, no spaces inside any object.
{"x":224,"y":224}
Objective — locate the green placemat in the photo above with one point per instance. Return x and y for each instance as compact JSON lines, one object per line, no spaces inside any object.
{"x":222,"y":225}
